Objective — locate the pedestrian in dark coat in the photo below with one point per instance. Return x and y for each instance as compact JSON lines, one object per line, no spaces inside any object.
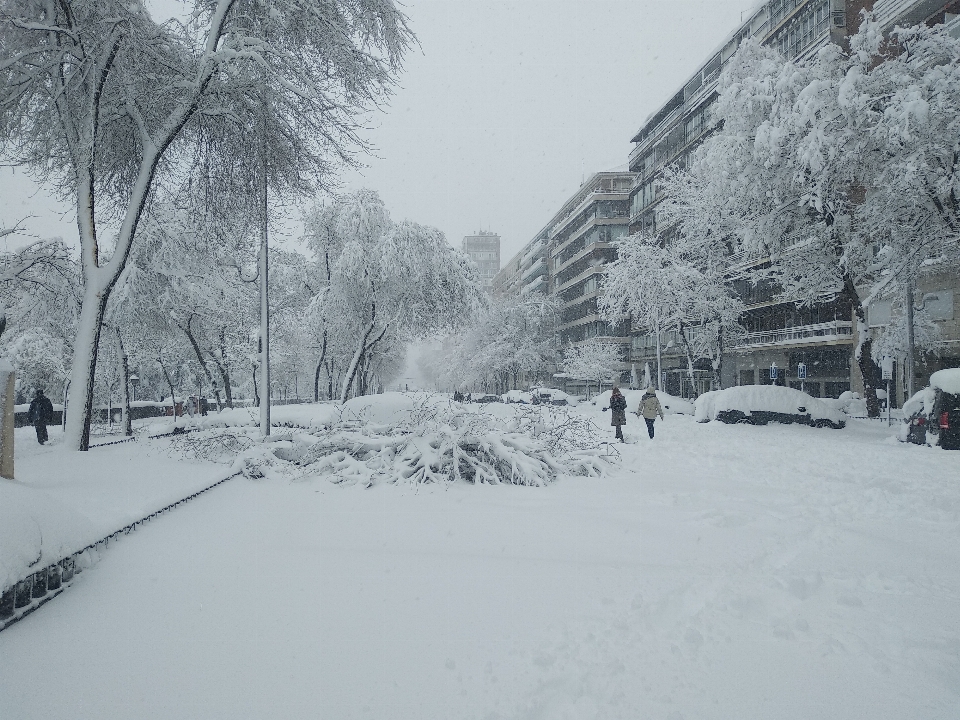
{"x":618,"y":411}
{"x":41,"y":413}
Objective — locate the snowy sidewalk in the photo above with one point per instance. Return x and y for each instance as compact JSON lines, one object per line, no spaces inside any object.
{"x":722,"y":571}
{"x":62,"y":502}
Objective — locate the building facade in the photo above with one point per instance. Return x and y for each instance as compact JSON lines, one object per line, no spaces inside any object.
{"x":779,"y":335}
{"x":566,"y":260}
{"x":484,"y":249}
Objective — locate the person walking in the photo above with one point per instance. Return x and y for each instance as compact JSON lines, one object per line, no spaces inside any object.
{"x":41,"y":413}
{"x":618,"y":412}
{"x":650,"y":408}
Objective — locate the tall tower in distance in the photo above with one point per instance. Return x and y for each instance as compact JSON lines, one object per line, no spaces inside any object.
{"x":484,"y":249}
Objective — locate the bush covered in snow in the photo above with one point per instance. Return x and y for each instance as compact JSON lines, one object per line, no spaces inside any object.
{"x":760,"y":404}
{"x":396,"y":437}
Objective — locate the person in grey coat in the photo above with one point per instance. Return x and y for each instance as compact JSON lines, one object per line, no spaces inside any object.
{"x":650,"y":408}
{"x":618,"y":412}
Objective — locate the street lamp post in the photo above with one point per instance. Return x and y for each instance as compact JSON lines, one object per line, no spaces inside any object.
{"x":134,"y":383}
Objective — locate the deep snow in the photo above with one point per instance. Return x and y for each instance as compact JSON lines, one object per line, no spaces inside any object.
{"x":721,"y":571}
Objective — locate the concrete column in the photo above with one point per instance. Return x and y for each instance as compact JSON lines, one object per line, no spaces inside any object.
{"x":6,"y":420}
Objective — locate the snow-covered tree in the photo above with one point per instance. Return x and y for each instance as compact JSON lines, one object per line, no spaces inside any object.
{"x":39,"y":300}
{"x":104,"y":103}
{"x":811,"y":169}
{"x":595,"y":360}
{"x":391,"y":282}
{"x":510,"y":339}
{"x":682,"y":286}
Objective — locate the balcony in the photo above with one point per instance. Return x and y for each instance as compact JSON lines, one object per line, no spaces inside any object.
{"x":533,"y":286}
{"x":801,"y":335}
{"x":539,"y":266}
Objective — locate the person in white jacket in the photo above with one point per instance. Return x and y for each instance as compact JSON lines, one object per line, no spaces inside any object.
{"x":650,"y":408}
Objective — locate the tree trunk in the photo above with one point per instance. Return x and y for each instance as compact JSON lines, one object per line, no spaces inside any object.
{"x":173,"y":397}
{"x":871,"y":377}
{"x":224,"y":367}
{"x":188,"y":330}
{"x":718,"y":362}
{"x":316,"y":375}
{"x":681,"y":330}
{"x":868,"y":369}
{"x":659,"y":372}
{"x":125,"y":366}
{"x":83,"y":371}
{"x":354,"y":364}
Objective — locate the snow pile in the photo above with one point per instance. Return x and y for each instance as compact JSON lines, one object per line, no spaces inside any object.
{"x":780,"y":401}
{"x":946,"y":380}
{"x":36,"y":530}
{"x":849,"y":402}
{"x":671,"y":405}
{"x":393,"y":438}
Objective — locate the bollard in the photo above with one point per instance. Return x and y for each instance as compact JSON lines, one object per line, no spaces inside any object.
{"x":39,"y":584}
{"x":24,"y":588}
{"x":7,"y":602}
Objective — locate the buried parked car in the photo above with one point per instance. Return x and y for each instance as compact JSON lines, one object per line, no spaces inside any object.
{"x":762,"y":404}
{"x":552,"y":396}
{"x":932,"y":416}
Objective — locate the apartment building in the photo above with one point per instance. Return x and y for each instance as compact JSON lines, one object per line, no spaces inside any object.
{"x":484,"y":249}
{"x":566,"y":259}
{"x":779,"y":335}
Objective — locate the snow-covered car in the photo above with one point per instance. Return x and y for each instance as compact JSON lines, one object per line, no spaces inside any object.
{"x":932,"y":416}
{"x":487,"y":399}
{"x":762,"y":404}
{"x":552,"y":396}
{"x":517,"y":396}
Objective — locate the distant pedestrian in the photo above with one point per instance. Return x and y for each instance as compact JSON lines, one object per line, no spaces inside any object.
{"x":469,"y":397}
{"x":650,"y":408}
{"x":618,"y":411}
{"x":41,"y":413}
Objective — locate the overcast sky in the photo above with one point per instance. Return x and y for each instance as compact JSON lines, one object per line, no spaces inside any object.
{"x":503,"y":110}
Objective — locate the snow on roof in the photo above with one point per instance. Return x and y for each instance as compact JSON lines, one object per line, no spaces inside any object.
{"x":947,"y":380}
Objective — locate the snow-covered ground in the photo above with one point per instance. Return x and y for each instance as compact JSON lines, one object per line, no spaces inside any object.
{"x":719,"y":571}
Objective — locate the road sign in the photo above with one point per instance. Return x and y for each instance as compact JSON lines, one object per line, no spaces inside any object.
{"x":801,"y":371}
{"x":773,"y":371}
{"x":886,"y":365}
